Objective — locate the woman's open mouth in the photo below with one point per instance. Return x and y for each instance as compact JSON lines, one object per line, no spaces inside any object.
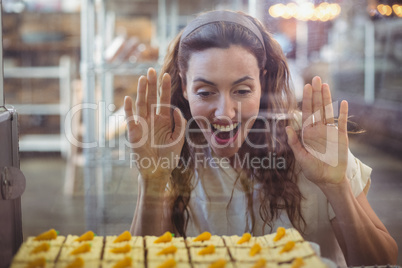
{"x":225,"y":134}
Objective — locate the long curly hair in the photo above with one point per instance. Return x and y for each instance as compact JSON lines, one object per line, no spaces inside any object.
{"x":278,"y":186}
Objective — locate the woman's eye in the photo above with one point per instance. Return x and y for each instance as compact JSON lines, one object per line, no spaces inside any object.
{"x":243,"y":92}
{"x":204,"y":94}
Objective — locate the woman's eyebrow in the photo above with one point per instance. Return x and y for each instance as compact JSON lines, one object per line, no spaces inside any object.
{"x":242,"y":79}
{"x":199,"y":79}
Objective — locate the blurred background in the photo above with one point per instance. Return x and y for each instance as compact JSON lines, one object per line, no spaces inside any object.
{"x":69,"y":64}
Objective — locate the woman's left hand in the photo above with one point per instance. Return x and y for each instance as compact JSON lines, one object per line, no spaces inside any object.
{"x":322,"y":151}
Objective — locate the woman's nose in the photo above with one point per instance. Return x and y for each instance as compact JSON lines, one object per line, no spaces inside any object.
{"x":226,"y":107}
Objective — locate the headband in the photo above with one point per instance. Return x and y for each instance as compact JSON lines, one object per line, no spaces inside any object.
{"x":217,"y":16}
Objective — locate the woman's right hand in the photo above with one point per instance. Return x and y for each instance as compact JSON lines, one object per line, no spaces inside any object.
{"x":156,"y":147}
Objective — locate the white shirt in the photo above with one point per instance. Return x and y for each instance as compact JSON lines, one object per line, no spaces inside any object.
{"x":210,"y":209}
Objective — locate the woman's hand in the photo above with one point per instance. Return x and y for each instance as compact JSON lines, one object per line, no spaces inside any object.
{"x":156,"y":147}
{"x":323,"y":150}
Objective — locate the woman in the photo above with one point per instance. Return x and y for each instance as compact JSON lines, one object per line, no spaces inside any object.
{"x":230,"y":154}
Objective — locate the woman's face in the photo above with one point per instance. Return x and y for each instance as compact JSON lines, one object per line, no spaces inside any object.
{"x":223,"y":90}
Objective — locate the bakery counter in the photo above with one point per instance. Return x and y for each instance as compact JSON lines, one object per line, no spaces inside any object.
{"x":282,"y":249}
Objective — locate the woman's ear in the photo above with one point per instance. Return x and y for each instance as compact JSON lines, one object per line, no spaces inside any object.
{"x":263,"y":72}
{"x":183,"y":87}
{"x":262,"y":75}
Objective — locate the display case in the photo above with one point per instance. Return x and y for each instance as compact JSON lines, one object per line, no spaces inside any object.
{"x":114,"y":37}
{"x":120,"y":40}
